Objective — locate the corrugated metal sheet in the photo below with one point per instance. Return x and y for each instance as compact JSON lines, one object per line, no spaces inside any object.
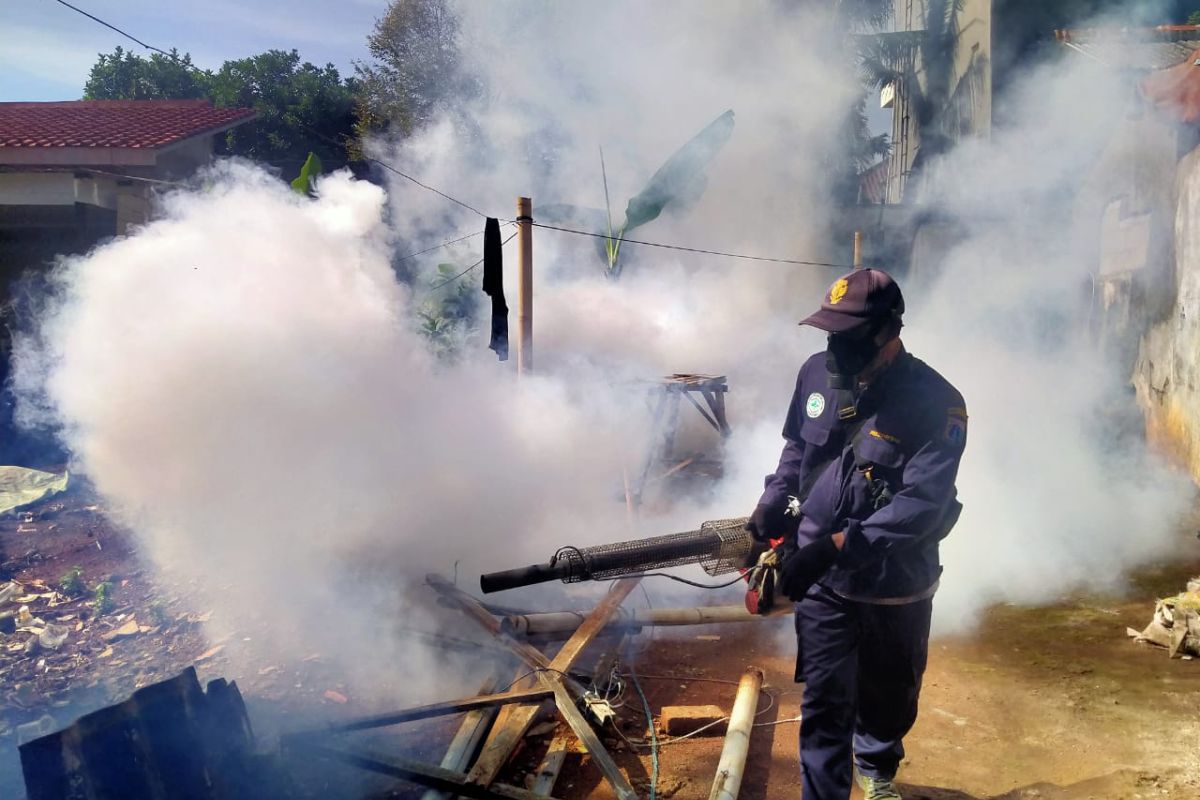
{"x":169,"y":741}
{"x":1140,"y":56}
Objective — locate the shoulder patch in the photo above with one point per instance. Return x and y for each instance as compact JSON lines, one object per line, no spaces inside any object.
{"x":815,"y":405}
{"x":955,"y":432}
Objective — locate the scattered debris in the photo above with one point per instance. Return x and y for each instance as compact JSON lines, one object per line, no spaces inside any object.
{"x":1176,"y":623}
{"x":130,"y":628}
{"x":209,"y":653}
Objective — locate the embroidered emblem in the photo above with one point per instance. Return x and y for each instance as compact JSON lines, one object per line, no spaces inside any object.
{"x":956,"y":430}
{"x":838,"y":291}
{"x":815,"y":405}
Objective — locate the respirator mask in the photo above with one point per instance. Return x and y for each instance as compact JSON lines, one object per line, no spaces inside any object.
{"x":848,"y":354}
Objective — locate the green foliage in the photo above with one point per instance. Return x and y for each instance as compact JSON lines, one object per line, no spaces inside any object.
{"x":447,"y":317}
{"x":102,"y":600}
{"x":124,"y":75}
{"x":71,"y":583}
{"x":308,"y":175}
{"x":1194,"y":18}
{"x":302,"y":108}
{"x":677,"y":184}
{"x":416,"y":68}
{"x":158,"y":613}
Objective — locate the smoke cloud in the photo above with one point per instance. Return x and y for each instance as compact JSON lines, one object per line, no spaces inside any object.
{"x":243,"y":381}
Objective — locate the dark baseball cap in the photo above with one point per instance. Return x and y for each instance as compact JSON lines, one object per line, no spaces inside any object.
{"x":856,"y":298}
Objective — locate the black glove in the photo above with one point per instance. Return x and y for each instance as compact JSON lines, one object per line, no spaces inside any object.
{"x":804,"y":566}
{"x":766,"y":523}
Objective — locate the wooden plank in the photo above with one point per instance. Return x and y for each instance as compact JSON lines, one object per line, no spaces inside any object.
{"x":469,"y":736}
{"x":547,"y":774}
{"x":427,"y":711}
{"x":419,"y":772}
{"x":505,"y":738}
{"x":593,"y":624}
{"x":475,"y":610}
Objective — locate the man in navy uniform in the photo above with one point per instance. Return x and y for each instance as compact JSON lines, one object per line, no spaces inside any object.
{"x":865,"y":490}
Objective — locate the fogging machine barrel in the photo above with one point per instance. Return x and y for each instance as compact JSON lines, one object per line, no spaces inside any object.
{"x":720,"y":547}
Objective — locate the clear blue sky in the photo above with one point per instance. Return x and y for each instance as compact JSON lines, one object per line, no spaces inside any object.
{"x":46,"y":49}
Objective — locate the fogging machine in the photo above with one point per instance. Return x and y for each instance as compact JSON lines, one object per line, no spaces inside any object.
{"x":720,"y":547}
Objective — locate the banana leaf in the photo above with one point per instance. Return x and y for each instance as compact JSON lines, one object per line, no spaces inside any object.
{"x":682,"y":179}
{"x":308,"y":174}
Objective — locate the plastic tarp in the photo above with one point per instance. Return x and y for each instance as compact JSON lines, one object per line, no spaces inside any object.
{"x":1176,"y":91}
{"x":20,"y":486}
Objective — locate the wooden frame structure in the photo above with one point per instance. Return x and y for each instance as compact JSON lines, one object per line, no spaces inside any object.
{"x":518,"y":708}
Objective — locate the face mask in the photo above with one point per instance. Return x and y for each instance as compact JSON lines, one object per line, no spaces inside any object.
{"x":846,"y":357}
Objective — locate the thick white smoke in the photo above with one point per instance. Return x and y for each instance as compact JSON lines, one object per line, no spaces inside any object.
{"x":242,"y":380}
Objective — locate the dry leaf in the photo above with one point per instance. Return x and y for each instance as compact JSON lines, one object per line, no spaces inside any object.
{"x":130,"y":628}
{"x":210,"y":652}
{"x":336,"y":697}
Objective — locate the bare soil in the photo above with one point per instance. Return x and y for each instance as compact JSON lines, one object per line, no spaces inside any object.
{"x":1053,"y":703}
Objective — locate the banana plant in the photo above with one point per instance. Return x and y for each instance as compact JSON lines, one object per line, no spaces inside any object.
{"x":304,"y":182}
{"x":677,"y":184}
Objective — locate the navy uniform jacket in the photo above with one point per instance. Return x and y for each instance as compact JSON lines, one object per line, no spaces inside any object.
{"x":911,"y":437}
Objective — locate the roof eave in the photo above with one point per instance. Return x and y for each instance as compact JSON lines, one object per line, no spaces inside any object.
{"x":106,"y":156}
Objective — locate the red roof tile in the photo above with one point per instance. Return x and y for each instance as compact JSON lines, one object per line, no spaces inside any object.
{"x":145,"y":124}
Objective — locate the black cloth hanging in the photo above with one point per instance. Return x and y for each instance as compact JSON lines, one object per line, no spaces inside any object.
{"x":493,"y":285}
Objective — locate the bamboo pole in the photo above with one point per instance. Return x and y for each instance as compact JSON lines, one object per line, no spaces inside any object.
{"x":566,"y":621}
{"x":525,"y":286}
{"x":858,"y":261}
{"x":730,"y":768}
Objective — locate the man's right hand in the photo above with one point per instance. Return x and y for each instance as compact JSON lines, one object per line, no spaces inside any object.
{"x":767,"y":523}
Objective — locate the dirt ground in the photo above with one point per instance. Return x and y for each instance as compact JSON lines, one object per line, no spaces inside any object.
{"x":1053,"y":703}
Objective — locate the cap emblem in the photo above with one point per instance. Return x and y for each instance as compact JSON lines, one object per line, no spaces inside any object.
{"x":838,"y":291}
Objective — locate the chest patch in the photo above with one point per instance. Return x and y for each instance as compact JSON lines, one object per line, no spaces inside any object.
{"x":815,"y":405}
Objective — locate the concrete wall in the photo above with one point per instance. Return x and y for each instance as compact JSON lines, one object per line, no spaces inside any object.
{"x":1167,"y":374}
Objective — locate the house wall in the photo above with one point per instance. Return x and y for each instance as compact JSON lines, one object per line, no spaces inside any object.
{"x":1167,"y":374}
{"x":968,"y":111}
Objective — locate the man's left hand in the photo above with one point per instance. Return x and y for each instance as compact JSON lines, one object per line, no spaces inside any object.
{"x":805,"y":566}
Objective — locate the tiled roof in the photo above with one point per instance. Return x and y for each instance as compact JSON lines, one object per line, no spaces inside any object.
{"x":136,"y":124}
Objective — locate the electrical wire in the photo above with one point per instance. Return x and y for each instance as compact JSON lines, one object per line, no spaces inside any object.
{"x":653,"y":734}
{"x":128,"y":36}
{"x":533,"y":671}
{"x":671,"y":577}
{"x":694,"y":249}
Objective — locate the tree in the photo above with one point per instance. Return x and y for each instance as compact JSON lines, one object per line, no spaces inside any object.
{"x":417,"y":68}
{"x":125,"y":75}
{"x":301,"y":108}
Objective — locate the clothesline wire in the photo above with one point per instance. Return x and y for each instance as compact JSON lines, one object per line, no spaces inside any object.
{"x":465,"y":271}
{"x":445,"y":244}
{"x":471,"y":208}
{"x":693,"y":249}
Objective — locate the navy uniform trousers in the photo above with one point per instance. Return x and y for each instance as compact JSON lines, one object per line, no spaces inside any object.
{"x":862,"y":665}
